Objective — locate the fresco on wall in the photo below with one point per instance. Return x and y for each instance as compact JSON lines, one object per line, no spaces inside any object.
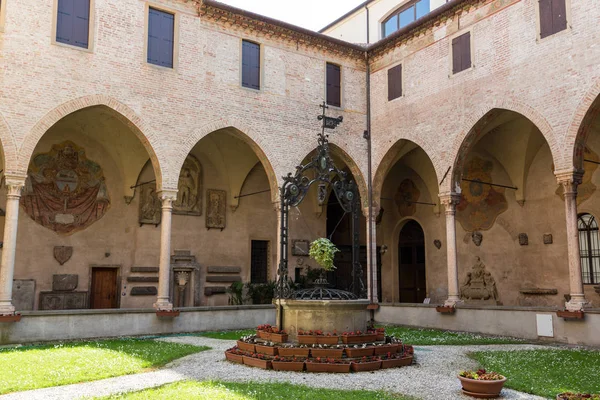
{"x":64,"y":191}
{"x":480,"y":204}
{"x":405,"y":198}
{"x":587,"y":188}
{"x":189,"y":189}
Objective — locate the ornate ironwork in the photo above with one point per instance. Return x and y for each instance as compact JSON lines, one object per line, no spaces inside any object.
{"x":323,"y":170}
{"x":321,"y":293}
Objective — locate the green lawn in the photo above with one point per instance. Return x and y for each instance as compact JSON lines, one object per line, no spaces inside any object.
{"x":251,"y":391}
{"x":35,"y":367}
{"x":426,"y":337}
{"x":228,"y":335}
{"x":545,"y":372}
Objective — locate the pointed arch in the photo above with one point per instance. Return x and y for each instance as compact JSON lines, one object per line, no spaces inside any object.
{"x":8,"y":150}
{"x":126,"y":115}
{"x":585,"y":115}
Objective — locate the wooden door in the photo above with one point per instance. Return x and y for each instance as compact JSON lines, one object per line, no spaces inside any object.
{"x":411,"y":264}
{"x":103,"y":293}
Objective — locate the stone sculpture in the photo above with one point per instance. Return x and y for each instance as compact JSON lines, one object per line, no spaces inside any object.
{"x":479,"y":284}
{"x":216,"y":209}
{"x":477,"y":238}
{"x":189,"y":188}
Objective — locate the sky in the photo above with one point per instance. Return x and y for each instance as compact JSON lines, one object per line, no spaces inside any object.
{"x":310,"y":14}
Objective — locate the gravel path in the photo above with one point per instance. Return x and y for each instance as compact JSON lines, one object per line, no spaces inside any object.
{"x":433,"y":376}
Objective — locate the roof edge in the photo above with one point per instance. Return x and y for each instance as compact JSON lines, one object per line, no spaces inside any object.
{"x":340,"y":19}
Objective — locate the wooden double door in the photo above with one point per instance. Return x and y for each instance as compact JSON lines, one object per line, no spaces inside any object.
{"x":411,"y":263}
{"x":104,"y":292}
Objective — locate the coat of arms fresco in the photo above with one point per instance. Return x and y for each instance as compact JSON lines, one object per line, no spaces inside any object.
{"x":405,"y":198}
{"x":480,"y":204}
{"x":64,"y":191}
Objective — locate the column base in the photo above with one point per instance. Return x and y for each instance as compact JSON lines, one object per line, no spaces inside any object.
{"x":452,"y":302}
{"x":163,"y":305}
{"x":577,"y":303}
{"x":6,"y":308}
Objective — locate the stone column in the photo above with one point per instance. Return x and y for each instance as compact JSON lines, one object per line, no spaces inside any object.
{"x":569,"y":181}
{"x":372,"y":253}
{"x":14,"y":185}
{"x":163,"y":302}
{"x":450,"y":201}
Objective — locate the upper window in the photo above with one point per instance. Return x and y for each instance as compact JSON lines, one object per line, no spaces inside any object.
{"x":553,"y":17}
{"x":395,"y":82}
{"x":461,"y":52}
{"x":161,"y":33}
{"x":250,"y":65}
{"x":589,"y":248}
{"x":73,"y":22}
{"x":405,"y":15}
{"x":334,"y":85}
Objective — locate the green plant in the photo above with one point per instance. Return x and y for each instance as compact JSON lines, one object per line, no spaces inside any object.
{"x":261,"y":293}
{"x":236,"y":293}
{"x":323,"y":252}
{"x":481,"y":375}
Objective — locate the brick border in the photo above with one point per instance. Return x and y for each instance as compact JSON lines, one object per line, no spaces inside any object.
{"x":8,"y":149}
{"x":149,"y":139}
{"x":579,"y":130}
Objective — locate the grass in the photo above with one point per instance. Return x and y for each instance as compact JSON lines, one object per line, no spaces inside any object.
{"x":35,"y":367}
{"x":211,"y":390}
{"x":427,"y":337}
{"x":228,"y":335}
{"x":545,"y":372}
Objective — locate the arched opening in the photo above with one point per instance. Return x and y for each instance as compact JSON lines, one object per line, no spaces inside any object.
{"x":412,"y":282}
{"x":589,"y":249}
{"x":79,"y":203}
{"x":509,"y":210}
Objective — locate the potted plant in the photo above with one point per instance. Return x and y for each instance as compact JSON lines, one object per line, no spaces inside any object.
{"x":247,"y":343}
{"x":577,"y":396}
{"x":264,"y":331}
{"x":380,"y":334}
{"x":323,"y":251}
{"x":288,"y":364}
{"x":382,"y":349}
{"x":358,"y":337}
{"x":327,"y":365}
{"x":481,"y":382}
{"x":258,"y":360}
{"x":395,"y":360}
{"x":326,"y":352}
{"x":293,"y":351}
{"x":235,"y":355}
{"x":357,"y":351}
{"x":328,"y":338}
{"x":366,"y":364}
{"x":279,"y":336}
{"x":267,"y":348}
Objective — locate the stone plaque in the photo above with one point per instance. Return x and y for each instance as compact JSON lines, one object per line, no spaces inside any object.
{"x":189,"y":188}
{"x":64,"y":191}
{"x":523,"y":239}
{"x":210,"y":290}
{"x":216,"y":209}
{"x":150,"y":205}
{"x":63,"y":300}
{"x":223,"y":278}
{"x":142,"y":279}
{"x":64,"y":283}
{"x":224,"y":270}
{"x":62,"y":254}
{"x":548,"y":238}
{"x":23,"y":294}
{"x":144,"y":291}
{"x":144,"y":269}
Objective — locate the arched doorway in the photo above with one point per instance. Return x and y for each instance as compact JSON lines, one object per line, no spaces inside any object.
{"x":411,"y":263}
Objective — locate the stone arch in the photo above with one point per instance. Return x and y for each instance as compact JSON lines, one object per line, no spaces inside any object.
{"x":585,"y":114}
{"x":474,"y":127}
{"x":245,"y":134}
{"x":388,"y":161}
{"x":147,"y":137}
{"x":8,"y":150}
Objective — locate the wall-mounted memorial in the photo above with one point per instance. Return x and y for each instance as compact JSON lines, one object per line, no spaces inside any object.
{"x":216,"y":209}
{"x":65,"y":191}
{"x":189,"y":188}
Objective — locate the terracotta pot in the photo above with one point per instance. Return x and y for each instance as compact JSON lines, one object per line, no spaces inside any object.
{"x":246,"y":346}
{"x":380,"y":337}
{"x":396,"y":362}
{"x":236,"y":358}
{"x":269,"y":350}
{"x":307,"y":339}
{"x":264,"y":335}
{"x":388,"y":348}
{"x":482,"y":387}
{"x":279,"y":337}
{"x":327,"y":353}
{"x":324,"y":367}
{"x":445,"y":309}
{"x":292,"y":352}
{"x":167,"y":314}
{"x":360,"y":352}
{"x":365,"y":366}
{"x":359,"y":339}
{"x":288,"y":366}
{"x":257,"y":362}
{"x":570,"y":314}
{"x":328,"y":339}
{"x":11,"y":318}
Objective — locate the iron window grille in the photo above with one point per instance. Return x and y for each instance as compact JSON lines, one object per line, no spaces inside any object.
{"x":589,"y":248}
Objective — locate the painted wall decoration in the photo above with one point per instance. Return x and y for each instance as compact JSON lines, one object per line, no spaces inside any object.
{"x":216,"y":209}
{"x":405,"y":197}
{"x":150,"y":205}
{"x":480,"y":204}
{"x":586,"y":188}
{"x":189,"y":189}
{"x":64,"y":191}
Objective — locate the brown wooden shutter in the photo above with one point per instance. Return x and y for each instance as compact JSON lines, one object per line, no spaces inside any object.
{"x":250,"y":65}
{"x":456,"y":56}
{"x":465,"y":51}
{"x":545,"y":18}
{"x":395,"y":82}
{"x":334,"y":87}
{"x":559,"y":16}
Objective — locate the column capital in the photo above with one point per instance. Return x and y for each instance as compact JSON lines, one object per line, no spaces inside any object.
{"x":569,"y":179}
{"x":376,"y":208}
{"x":167,"y":197}
{"x":449,"y":200}
{"x":14,"y":184}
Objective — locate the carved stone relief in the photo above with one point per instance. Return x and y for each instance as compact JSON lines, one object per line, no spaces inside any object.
{"x":548,"y":238}
{"x":216,"y":209}
{"x":189,"y":189}
{"x":63,"y":301}
{"x":477,"y":238}
{"x":64,"y":191}
{"x":479,"y":284}
{"x":150,"y":205}
{"x":405,"y":198}
{"x":437,"y":243}
{"x":23,"y":294}
{"x":62,"y":254}
{"x":523,"y":239}
{"x":64,"y":283}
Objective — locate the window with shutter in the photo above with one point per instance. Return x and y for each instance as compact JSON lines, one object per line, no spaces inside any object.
{"x":461,"y":53}
{"x":553,"y":17}
{"x":250,"y":65}
{"x":161,"y":34}
{"x":334,"y":85}
{"x":73,"y":22}
{"x":395,"y":82}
